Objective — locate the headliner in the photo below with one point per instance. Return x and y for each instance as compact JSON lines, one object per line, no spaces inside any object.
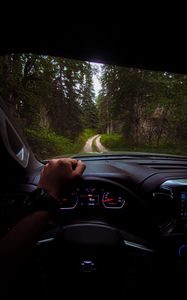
{"x":112,"y":45}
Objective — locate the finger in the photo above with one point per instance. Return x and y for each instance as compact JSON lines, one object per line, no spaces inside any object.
{"x":79,"y":168}
{"x":69,"y":162}
{"x":74,"y":161}
{"x":63,"y":164}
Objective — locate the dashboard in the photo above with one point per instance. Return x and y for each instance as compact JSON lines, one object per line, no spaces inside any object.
{"x":118,"y":215}
{"x":130,"y":191}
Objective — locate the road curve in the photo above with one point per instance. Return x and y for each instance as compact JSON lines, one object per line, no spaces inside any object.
{"x":99,"y":146}
{"x":88,"y":146}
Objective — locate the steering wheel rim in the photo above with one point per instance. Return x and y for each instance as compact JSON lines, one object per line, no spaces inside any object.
{"x":87,"y":236}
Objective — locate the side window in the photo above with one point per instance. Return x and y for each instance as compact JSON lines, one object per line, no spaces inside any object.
{"x":12,"y":141}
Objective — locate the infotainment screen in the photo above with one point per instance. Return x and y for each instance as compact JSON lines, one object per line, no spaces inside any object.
{"x":183,"y":198}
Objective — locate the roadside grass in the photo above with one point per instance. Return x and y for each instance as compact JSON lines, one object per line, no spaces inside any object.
{"x":47,"y":144}
{"x":173,"y":149}
{"x":115,"y":142}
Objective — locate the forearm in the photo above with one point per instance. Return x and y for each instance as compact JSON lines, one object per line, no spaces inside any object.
{"x":19,"y":242}
{"x":25,"y":233}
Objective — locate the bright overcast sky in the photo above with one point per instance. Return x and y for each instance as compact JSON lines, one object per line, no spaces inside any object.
{"x":96,"y":82}
{"x":97,"y":85}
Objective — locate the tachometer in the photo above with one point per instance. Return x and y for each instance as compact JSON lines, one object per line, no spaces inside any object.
{"x":113,"y":200}
{"x":69,"y":201}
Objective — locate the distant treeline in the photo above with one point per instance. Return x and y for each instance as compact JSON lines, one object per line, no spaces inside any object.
{"x":144,"y":107}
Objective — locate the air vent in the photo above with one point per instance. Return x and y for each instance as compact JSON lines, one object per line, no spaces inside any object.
{"x":168,"y":184}
{"x":165,"y":195}
{"x":164,"y":210}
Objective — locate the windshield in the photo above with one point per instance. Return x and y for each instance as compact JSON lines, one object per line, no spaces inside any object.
{"x":68,"y":107}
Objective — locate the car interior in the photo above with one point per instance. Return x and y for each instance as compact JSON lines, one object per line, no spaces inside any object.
{"x":136,"y":246}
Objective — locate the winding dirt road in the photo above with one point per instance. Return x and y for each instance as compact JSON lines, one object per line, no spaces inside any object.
{"x":88,"y":146}
{"x":99,"y":146}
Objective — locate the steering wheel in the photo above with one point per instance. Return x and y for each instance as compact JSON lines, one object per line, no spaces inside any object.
{"x":94,"y":244}
{"x":101,"y":248}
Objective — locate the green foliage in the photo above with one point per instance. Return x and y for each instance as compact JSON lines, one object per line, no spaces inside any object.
{"x":47,"y":144}
{"x":116,"y":142}
{"x":146,"y":108}
{"x":113,"y":141}
{"x":52,"y":98}
{"x":87,"y":133}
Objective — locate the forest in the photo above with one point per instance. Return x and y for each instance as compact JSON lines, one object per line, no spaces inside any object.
{"x":54,"y":101}
{"x":144,"y":110}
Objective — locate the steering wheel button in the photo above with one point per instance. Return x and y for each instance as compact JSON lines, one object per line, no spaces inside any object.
{"x":88,"y":266}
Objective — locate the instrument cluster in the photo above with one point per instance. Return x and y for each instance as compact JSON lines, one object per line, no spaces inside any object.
{"x":92,"y":196}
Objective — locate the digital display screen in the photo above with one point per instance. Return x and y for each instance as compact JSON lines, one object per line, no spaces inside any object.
{"x":183,"y":199}
{"x":89,"y":197}
{"x":89,"y":200}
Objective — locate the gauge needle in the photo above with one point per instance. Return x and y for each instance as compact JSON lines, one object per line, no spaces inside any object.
{"x":109,"y":200}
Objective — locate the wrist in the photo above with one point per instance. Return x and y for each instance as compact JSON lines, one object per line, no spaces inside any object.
{"x":41,"y":200}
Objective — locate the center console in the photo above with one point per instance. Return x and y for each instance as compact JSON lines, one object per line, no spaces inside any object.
{"x":178,"y":194}
{"x":177,"y":240}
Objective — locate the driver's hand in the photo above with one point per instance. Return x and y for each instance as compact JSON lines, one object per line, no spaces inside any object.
{"x":58,"y":175}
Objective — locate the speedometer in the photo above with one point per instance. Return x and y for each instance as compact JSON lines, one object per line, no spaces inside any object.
{"x":113,"y":200}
